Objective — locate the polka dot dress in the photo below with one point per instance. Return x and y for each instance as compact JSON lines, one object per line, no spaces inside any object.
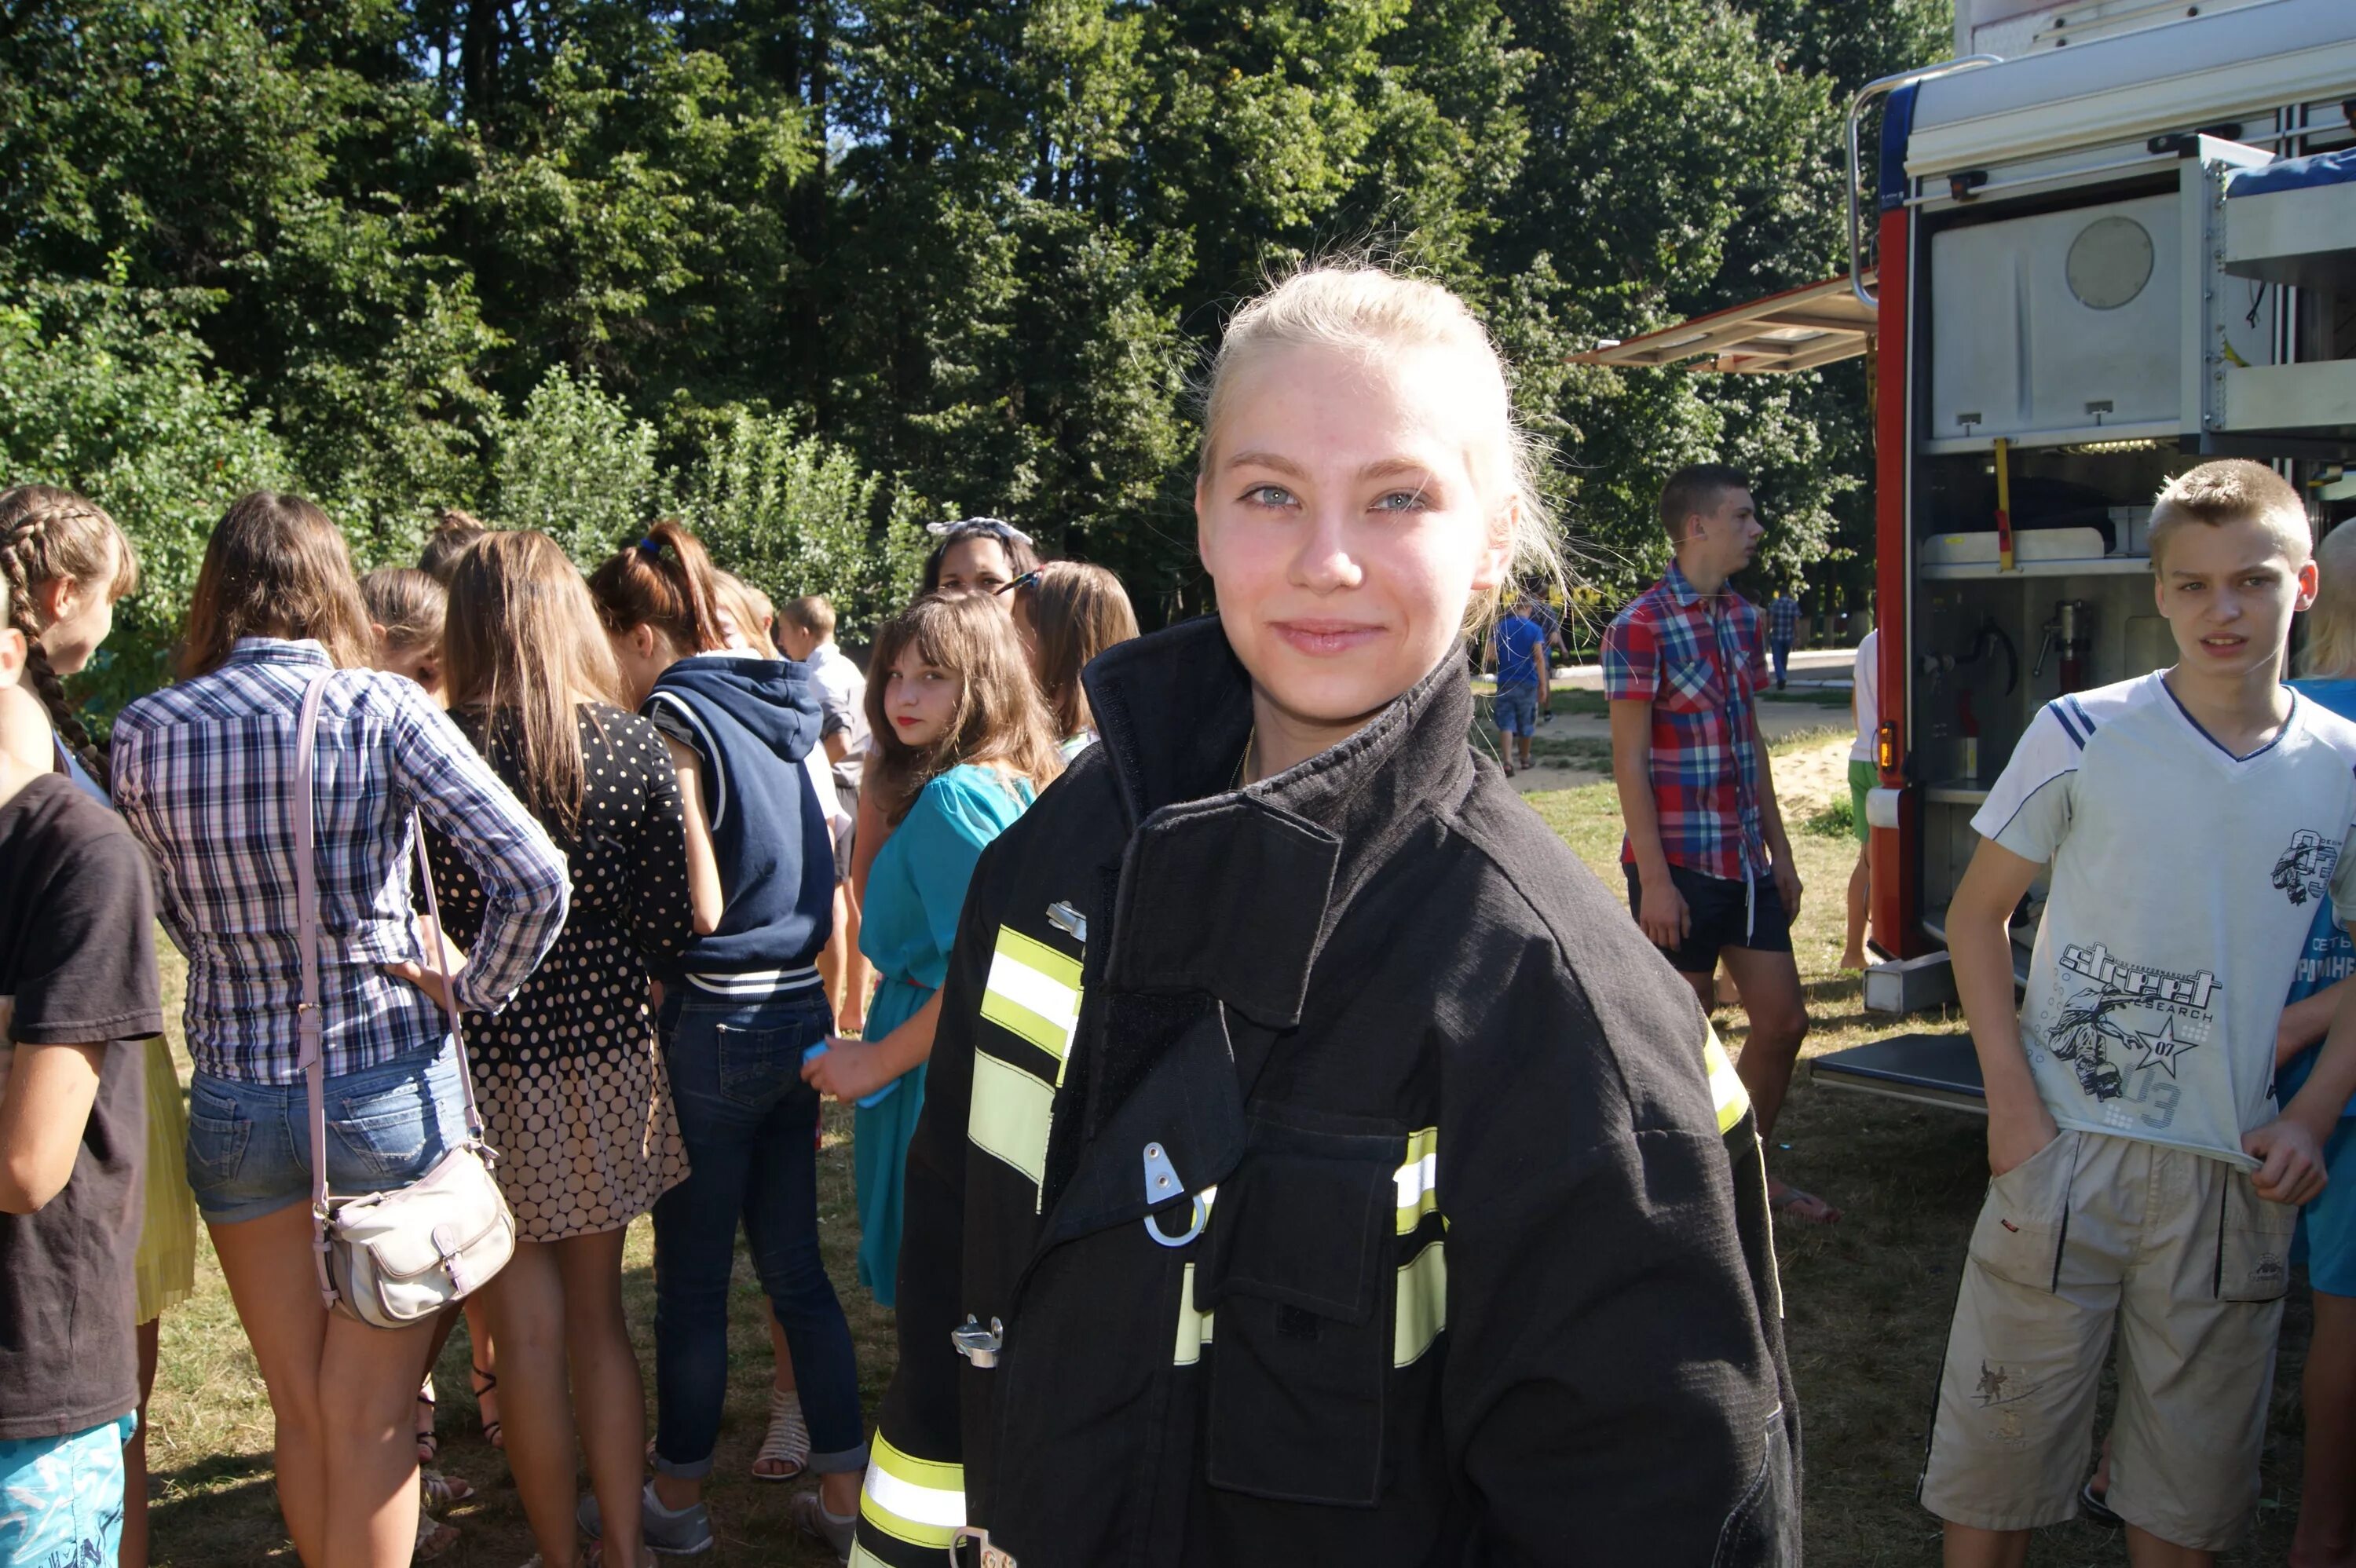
{"x":570,"y":1075}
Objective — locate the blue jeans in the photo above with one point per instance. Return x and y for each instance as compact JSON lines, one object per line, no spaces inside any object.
{"x":1781,"y":647}
{"x":751,"y":1128}
{"x":249,"y":1151}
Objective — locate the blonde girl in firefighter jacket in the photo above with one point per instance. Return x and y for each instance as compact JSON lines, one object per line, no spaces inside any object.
{"x":1318,"y":1165}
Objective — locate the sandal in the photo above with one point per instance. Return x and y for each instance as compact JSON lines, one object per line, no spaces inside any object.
{"x":429,"y":1445}
{"x":787,"y":1442}
{"x":442,"y":1490}
{"x":485,"y":1385}
{"x":433,"y":1538}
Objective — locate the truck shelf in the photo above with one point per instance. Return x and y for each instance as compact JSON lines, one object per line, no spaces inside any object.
{"x":1955,"y":792}
{"x":1926,"y":1068}
{"x":1988,"y":571}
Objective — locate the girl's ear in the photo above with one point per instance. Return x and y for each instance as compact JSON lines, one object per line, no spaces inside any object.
{"x":642,"y":640}
{"x":376,"y":630}
{"x":1497,"y":546}
{"x":57,"y":600}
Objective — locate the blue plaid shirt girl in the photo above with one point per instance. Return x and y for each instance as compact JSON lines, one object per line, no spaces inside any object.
{"x":201,"y":773}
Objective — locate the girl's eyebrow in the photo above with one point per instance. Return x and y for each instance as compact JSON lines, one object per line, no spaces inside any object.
{"x":1275,"y":460}
{"x":1381,"y":468}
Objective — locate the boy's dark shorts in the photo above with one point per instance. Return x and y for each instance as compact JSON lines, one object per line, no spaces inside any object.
{"x":1716,"y":906}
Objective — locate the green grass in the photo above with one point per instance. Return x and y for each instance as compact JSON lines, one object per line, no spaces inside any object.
{"x":1867,"y":1306}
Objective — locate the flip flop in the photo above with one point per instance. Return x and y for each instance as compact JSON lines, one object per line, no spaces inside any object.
{"x":433,"y":1538}
{"x":442,"y":1490}
{"x":2093,"y":1509}
{"x":787,"y":1440}
{"x":1805,"y":1208}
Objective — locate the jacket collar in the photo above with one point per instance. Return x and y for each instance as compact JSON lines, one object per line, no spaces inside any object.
{"x":1236,"y":892}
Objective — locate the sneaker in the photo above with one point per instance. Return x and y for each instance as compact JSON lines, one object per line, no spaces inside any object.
{"x":686,"y":1533}
{"x":810,"y":1516}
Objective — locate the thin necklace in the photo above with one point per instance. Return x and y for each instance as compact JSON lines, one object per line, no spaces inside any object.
{"x":1243,"y":764}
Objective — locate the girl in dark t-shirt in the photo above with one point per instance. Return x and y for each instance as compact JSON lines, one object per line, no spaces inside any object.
{"x":78,"y":992}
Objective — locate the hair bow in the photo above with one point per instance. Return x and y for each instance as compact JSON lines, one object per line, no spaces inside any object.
{"x":997,"y":528}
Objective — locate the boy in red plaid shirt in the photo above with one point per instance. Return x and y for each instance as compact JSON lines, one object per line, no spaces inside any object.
{"x":1710,"y":874}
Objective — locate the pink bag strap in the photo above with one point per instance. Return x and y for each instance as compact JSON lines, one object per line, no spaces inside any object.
{"x":309,"y":1029}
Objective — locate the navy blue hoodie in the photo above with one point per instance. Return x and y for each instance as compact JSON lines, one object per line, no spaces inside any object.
{"x":751,"y":721}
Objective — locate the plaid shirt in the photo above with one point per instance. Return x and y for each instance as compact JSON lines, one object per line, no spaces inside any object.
{"x":202,"y":773}
{"x":1783,"y":619}
{"x":1697,"y":658}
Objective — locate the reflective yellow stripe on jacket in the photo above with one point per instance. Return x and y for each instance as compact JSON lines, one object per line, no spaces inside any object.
{"x":1725,"y":1084}
{"x":1033,"y":994}
{"x":920,"y":1501}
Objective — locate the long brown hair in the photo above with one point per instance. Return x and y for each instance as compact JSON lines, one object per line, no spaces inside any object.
{"x":665,"y":580}
{"x":521,"y":643}
{"x":46,"y":533}
{"x":999,"y":716}
{"x":454,"y":532}
{"x":275,"y":567}
{"x":1076,"y":611}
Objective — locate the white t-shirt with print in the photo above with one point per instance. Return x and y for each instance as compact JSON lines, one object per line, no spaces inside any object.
{"x":2184,"y":882}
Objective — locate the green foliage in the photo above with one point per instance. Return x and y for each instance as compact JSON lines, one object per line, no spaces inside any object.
{"x":106,"y":390}
{"x":792,"y":515}
{"x":791,"y":264}
{"x":575,"y":465}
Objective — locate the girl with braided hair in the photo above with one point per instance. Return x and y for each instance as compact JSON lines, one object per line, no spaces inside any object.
{"x":65,"y":563}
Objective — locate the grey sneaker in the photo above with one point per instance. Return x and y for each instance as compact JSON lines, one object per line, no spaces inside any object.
{"x":810,"y":1515}
{"x":687,"y":1533}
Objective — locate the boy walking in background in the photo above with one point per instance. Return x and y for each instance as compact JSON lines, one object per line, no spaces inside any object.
{"x":1782,"y":630}
{"x":2189,"y":822}
{"x":806,"y":636}
{"x":1710,"y":874}
{"x":1519,"y":648}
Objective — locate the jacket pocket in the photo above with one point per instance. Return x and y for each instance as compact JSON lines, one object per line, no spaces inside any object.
{"x":2026,"y":1217}
{"x":1763,"y":1531}
{"x":2254,"y":1237}
{"x":1299,"y":1273}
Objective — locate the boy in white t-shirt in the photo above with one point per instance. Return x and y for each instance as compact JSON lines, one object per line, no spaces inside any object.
{"x":2144,"y":1182}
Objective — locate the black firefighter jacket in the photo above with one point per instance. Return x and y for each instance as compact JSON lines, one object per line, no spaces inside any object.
{"x":1339,"y":1175}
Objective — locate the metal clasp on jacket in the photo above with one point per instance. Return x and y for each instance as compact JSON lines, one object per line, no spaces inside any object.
{"x":978,"y":1345}
{"x":1069,"y":920}
{"x":970,"y":1548}
{"x":1162,"y":1184}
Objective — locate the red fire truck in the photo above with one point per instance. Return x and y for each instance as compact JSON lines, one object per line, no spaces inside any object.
{"x":2111,"y":239}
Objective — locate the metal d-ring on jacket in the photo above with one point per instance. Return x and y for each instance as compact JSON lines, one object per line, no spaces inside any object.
{"x":1327,"y":1171}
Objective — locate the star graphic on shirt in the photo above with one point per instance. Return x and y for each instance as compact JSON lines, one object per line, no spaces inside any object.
{"x":2159,"y":1050}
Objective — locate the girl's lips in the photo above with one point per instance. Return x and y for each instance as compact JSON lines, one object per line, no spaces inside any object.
{"x":1325,"y":638}
{"x":903,"y":719}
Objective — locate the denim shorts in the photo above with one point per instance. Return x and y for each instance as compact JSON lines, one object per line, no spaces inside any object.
{"x":250,"y":1144}
{"x":1517,"y":709}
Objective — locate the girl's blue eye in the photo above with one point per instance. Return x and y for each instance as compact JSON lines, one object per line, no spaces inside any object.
{"x":1268,"y":495}
{"x":1401,"y":501}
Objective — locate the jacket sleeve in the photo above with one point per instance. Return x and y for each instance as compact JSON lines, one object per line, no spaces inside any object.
{"x":1611,"y":1384}
{"x":914,"y":1495}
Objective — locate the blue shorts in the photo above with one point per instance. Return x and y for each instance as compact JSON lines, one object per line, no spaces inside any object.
{"x":61,"y":1497}
{"x":250,"y":1144}
{"x":1517,"y":709}
{"x":2326,"y":1227}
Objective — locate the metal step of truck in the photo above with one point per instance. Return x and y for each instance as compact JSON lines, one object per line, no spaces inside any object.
{"x":1928,"y":1069}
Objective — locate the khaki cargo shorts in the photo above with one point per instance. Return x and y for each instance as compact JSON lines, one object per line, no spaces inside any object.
{"x":2174,"y":1250}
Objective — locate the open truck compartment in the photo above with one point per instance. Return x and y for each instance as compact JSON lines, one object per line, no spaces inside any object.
{"x":2090,"y":267}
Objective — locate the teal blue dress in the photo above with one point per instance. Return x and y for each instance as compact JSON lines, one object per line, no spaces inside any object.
{"x":915,"y":892}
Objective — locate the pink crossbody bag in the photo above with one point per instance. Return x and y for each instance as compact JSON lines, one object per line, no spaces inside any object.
{"x":389,"y":1259}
